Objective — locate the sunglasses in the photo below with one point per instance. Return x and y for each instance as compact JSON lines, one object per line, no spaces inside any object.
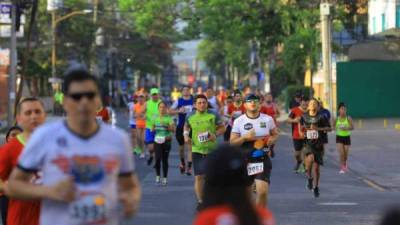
{"x":78,"y":96}
{"x":253,"y":101}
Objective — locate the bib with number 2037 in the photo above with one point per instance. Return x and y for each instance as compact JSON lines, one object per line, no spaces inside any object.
{"x":312,"y":134}
{"x":203,"y":137}
{"x":89,"y":209}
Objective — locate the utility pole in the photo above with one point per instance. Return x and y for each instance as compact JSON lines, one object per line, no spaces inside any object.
{"x":326,"y":52}
{"x":53,"y":43}
{"x":13,"y":67}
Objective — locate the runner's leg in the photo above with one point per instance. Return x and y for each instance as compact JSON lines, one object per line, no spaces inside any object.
{"x":262,"y":188}
{"x":158,"y":153}
{"x":198,"y":187}
{"x":165,"y":157}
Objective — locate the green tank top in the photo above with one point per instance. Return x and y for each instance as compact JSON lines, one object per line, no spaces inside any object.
{"x":342,"y":123}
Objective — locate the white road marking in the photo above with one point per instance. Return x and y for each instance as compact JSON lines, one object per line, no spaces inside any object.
{"x":338,"y":203}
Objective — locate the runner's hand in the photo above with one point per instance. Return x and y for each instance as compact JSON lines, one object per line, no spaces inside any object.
{"x":187,"y":140}
{"x":63,"y":191}
{"x":212,"y":137}
{"x":181,"y":110}
{"x":251,"y":136}
{"x":297,"y":119}
{"x":129,"y":203}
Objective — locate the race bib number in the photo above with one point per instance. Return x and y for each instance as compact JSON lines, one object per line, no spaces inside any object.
{"x":89,"y":209}
{"x":203,"y":137}
{"x":188,"y":108}
{"x":159,"y":139}
{"x":255,"y":168}
{"x":312,"y":134}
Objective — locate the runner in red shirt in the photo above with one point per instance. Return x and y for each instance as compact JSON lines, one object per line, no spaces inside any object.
{"x":271,"y":109}
{"x":30,"y":115}
{"x":298,"y":140}
{"x":103,"y":115}
{"x":235,"y":110}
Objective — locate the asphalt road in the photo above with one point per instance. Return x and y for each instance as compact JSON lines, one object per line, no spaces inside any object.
{"x":345,"y":199}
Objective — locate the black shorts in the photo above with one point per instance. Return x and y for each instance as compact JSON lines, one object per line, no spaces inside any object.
{"x":298,"y":144}
{"x":318,"y":153}
{"x":324,"y":138}
{"x":343,"y":140}
{"x":266,"y":175}
{"x":199,"y":163}
{"x":179,"y":136}
{"x":227,"y":134}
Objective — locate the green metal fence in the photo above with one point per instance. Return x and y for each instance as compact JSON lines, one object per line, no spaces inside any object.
{"x":370,"y":89}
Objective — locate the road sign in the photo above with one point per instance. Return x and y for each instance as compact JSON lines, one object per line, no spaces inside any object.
{"x":5,"y":31}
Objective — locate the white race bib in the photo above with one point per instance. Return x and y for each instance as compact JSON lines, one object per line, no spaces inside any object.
{"x":312,"y":134}
{"x":159,"y":139}
{"x":89,"y":209}
{"x":255,"y":168}
{"x":203,"y":137}
{"x":188,"y":108}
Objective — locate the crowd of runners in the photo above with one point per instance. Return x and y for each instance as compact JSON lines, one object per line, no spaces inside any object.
{"x":80,"y":170}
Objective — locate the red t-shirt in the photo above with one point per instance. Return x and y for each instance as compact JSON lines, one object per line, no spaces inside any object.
{"x":19,"y":212}
{"x":222,"y":215}
{"x":270,"y":111}
{"x":235,"y":112}
{"x":294,"y":113}
{"x":103,"y":115}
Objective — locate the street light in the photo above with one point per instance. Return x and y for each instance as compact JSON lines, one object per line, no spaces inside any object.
{"x":54,"y":23}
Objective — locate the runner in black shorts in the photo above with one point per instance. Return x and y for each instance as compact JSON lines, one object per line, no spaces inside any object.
{"x":314,"y":125}
{"x":254,"y":132}
{"x":182,"y":107}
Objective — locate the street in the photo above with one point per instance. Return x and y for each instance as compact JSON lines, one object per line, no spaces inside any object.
{"x":345,"y":199}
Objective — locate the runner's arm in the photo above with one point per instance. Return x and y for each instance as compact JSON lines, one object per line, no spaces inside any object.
{"x":129,"y":193}
{"x":351,"y":124}
{"x":20,"y":187}
{"x":292,"y":118}
{"x":274,"y":136}
{"x":174,"y":109}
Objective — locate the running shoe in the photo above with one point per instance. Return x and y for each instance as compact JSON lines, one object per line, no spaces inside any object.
{"x":189,"y":172}
{"x":150,"y":160}
{"x":316,"y":192}
{"x":182,"y":168}
{"x":138,"y":151}
{"x":158,"y":180}
{"x":301,"y":169}
{"x":310,"y":184}
{"x":296,"y":167}
{"x":142,"y":156}
{"x":199,"y":206}
{"x":342,"y":170}
{"x":164,"y":181}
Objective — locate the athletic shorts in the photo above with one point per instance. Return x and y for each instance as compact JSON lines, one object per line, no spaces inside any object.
{"x":266,"y":175}
{"x":179,"y":135}
{"x":133,"y":126}
{"x":298,"y":144}
{"x":343,"y":140}
{"x":199,"y":163}
{"x":149,"y":136}
{"x":317,"y":152}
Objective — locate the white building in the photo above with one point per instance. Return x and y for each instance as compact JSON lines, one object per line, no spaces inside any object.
{"x":383,"y":15}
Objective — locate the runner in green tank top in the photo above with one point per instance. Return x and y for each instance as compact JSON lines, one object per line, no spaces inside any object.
{"x":344,"y":126}
{"x":204,"y":126}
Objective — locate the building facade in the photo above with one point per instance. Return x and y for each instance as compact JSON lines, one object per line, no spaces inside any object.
{"x":383,"y":15}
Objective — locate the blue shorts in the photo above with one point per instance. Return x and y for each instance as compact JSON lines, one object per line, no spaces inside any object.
{"x":133,"y":126}
{"x":149,"y":136}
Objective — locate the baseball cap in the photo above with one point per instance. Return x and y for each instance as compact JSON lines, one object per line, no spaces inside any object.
{"x":250,"y":97}
{"x":154,"y":91}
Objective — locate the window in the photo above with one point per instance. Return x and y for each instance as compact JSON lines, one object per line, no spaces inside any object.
{"x":373,"y":25}
{"x":398,"y":16}
{"x":383,"y":22}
